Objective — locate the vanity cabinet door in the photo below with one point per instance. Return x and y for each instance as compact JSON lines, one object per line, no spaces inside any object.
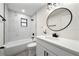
{"x":39,"y":50}
{"x":48,"y":53}
{"x":1,"y":52}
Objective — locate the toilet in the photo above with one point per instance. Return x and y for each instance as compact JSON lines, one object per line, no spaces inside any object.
{"x":31,"y":49}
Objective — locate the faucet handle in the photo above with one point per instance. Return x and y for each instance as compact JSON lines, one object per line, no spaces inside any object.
{"x":55,"y":35}
{"x":45,"y":32}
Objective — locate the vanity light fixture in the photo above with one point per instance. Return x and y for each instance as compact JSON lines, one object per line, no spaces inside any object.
{"x":54,"y":4}
{"x":49,"y":6}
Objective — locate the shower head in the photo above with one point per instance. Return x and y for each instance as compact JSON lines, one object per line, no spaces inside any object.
{"x":3,"y":19}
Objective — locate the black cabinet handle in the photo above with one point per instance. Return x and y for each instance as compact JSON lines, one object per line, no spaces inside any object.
{"x":45,"y":53}
{"x":2,"y":47}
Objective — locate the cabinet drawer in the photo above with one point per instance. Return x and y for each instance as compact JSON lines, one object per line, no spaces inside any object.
{"x":54,"y":49}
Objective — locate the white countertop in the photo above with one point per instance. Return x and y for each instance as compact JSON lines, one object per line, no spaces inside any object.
{"x":67,"y":43}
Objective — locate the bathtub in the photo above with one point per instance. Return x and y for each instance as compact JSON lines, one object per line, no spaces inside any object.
{"x":18,"y":47}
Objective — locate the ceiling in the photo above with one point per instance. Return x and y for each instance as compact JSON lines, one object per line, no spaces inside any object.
{"x":26,"y":8}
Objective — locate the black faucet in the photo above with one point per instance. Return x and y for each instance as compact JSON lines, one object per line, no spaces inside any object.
{"x":55,"y":35}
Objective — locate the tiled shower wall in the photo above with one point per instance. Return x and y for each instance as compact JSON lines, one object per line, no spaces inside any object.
{"x":14,"y":31}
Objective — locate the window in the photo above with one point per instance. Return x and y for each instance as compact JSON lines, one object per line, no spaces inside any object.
{"x":23,"y":22}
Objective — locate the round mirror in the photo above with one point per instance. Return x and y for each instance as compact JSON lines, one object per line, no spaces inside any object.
{"x":59,"y":19}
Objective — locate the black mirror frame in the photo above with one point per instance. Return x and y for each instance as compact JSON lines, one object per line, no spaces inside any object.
{"x":65,"y":26}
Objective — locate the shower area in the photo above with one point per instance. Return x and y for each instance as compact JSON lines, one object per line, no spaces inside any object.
{"x":18,"y":30}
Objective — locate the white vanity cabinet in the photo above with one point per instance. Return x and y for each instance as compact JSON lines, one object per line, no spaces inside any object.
{"x":41,"y":51}
{"x":46,"y":49}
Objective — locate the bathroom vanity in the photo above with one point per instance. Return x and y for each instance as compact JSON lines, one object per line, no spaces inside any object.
{"x":56,"y":47}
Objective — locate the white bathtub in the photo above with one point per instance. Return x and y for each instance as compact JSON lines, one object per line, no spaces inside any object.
{"x":17,"y":47}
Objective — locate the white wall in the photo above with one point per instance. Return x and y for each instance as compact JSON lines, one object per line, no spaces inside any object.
{"x":14,"y":31}
{"x":70,"y":32}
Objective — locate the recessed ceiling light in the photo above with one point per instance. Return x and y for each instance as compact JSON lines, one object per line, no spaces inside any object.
{"x":23,"y":10}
